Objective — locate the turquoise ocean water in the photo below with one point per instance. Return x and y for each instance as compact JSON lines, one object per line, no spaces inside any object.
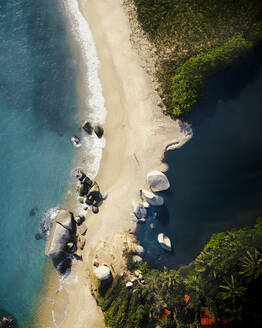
{"x":38,"y":109}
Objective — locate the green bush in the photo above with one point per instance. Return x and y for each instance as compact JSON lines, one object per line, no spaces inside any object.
{"x":191,"y":77}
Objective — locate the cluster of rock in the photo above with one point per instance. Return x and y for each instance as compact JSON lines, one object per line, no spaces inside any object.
{"x":66,"y":240}
{"x":88,"y":128}
{"x":88,"y":191}
{"x":157,"y":182}
{"x":138,"y":278}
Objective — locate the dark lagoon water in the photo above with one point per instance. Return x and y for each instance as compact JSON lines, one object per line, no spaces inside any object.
{"x":37,"y":117}
{"x":216,"y":178}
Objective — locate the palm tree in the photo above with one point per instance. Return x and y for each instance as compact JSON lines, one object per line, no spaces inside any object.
{"x":252,"y":265}
{"x":233,"y":291}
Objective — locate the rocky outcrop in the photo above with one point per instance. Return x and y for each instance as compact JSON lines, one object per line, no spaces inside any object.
{"x":85,"y":186}
{"x":139,"y":211}
{"x":151,"y":198}
{"x":87,"y":127}
{"x":102,"y":272}
{"x":61,"y":237}
{"x":137,"y":260}
{"x":79,"y":174}
{"x":164,"y":242}
{"x":157,"y":181}
{"x":94,"y":196}
{"x":57,"y":241}
{"x":65,"y":218}
{"x":99,"y":131}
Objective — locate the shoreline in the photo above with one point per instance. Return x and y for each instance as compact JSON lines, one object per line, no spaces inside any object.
{"x":137,"y":134}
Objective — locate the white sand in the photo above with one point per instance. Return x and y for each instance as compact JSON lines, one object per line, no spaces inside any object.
{"x":136,"y":133}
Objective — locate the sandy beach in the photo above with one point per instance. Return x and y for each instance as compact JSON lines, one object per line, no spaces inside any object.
{"x":136,"y":134}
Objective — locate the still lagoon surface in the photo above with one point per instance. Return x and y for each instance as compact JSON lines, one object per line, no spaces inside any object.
{"x":216,"y":178}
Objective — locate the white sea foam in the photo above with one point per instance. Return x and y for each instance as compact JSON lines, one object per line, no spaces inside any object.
{"x":95,"y":111}
{"x":90,"y":63}
{"x":48,"y":219}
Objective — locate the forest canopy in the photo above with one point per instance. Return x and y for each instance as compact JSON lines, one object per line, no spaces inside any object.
{"x":225,"y":280}
{"x":213,"y":34}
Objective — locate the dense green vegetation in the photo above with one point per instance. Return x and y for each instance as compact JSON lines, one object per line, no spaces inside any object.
{"x":196,"y":39}
{"x":191,"y":77}
{"x":226,"y":278}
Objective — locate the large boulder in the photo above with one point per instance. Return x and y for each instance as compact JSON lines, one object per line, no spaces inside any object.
{"x":58,"y":239}
{"x":66,"y":219}
{"x":99,"y":131}
{"x":157,"y":181}
{"x":139,"y":211}
{"x":102,"y":272}
{"x":164,"y":242}
{"x":151,"y":198}
{"x":87,"y":127}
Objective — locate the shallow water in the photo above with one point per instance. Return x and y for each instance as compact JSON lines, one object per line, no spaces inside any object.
{"x":216,"y":178}
{"x":38,"y":115}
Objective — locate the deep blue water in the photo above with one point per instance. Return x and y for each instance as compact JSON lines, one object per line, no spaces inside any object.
{"x":216,"y":178}
{"x":38,"y":109}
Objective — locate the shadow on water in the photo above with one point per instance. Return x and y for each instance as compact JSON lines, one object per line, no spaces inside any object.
{"x":216,"y":178}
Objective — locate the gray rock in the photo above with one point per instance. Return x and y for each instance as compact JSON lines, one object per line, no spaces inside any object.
{"x":164,"y":242}
{"x":96,"y":263}
{"x":95,"y":209}
{"x":57,"y":241}
{"x":82,"y":229}
{"x":137,"y":259}
{"x":151,"y":198}
{"x":65,"y":218}
{"x":139,"y":249}
{"x":99,"y":131}
{"x":157,"y":181}
{"x":79,"y":220}
{"x":102,"y":272}
{"x":140,"y":211}
{"x":94,"y":196}
{"x":85,"y":186}
{"x":87,"y":127}
{"x":75,"y":141}
{"x":71,"y":247}
{"x":95,"y":187}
